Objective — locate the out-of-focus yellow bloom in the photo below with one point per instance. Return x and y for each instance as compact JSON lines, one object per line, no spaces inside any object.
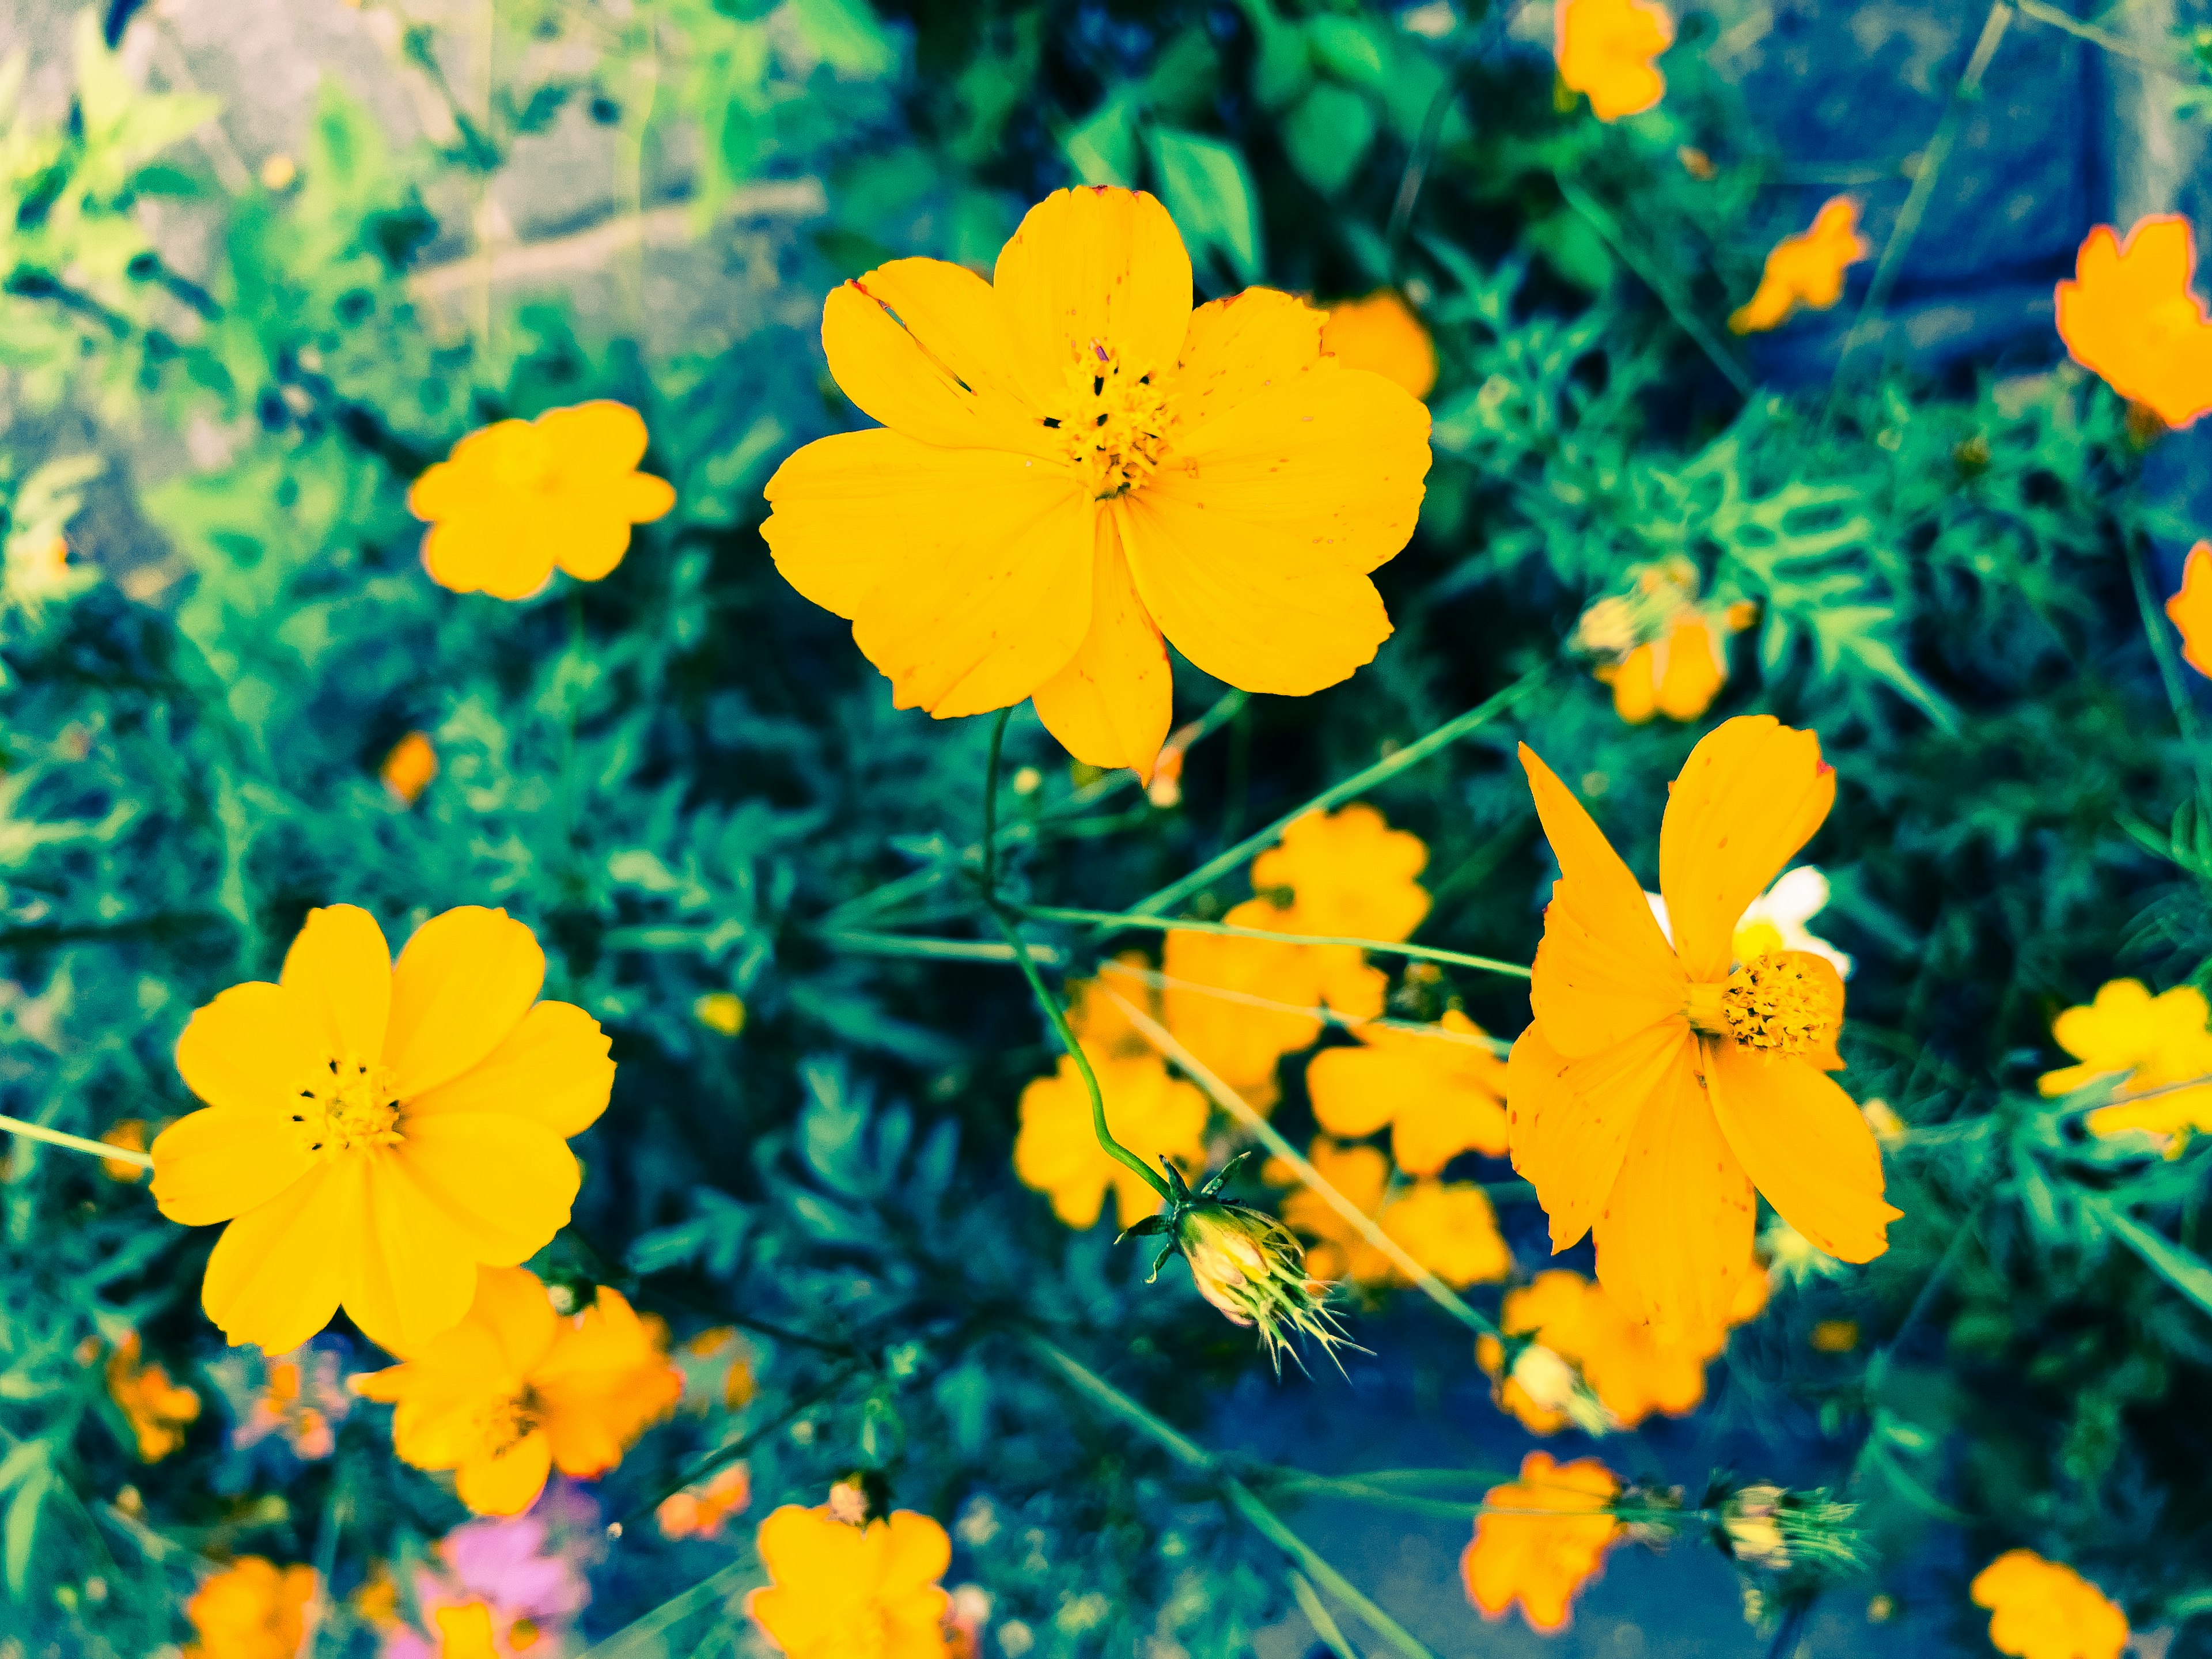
{"x":160,"y":1410}
{"x":129,"y":1134}
{"x":699,"y":1511}
{"x":1151,"y":1112}
{"x":1347,"y":873}
{"x":838,"y":1590}
{"x":1076,"y":469}
{"x":1660,"y":650}
{"x":1449,"y":1227}
{"x":252,"y":1609}
{"x":1541,"y":1559}
{"x":1100,"y":1025}
{"x":354,"y":1109}
{"x":279,"y":173}
{"x":2190,"y":609}
{"x":718,"y":1370}
{"x":2137,"y":1043}
{"x":1806,"y":270}
{"x":1836,"y":1336}
{"x":409,"y":769}
{"x":2131,"y":316}
{"x":1382,"y":335}
{"x":1607,"y":49}
{"x":1236,"y":1041}
{"x":2044,"y":1609}
{"x":515,"y":1391}
{"x":1440,"y":1098}
{"x":520,"y":499}
{"x":720,"y":1011}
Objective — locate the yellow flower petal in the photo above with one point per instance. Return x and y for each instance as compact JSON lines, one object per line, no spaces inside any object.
{"x":597,"y":441}
{"x":1236,"y":350}
{"x":1749,"y":797}
{"x":921,"y":345}
{"x":276,"y":1275}
{"x":1112,"y":704}
{"x":2190,"y":609}
{"x":554,"y":1069}
{"x":1571,"y":1121}
{"x":248,"y":1049}
{"x":504,"y":1183}
{"x":416,"y":1265}
{"x":1806,"y":1147}
{"x":1092,"y":264}
{"x":339,"y":969}
{"x":463,"y":984}
{"x":507,"y":1482}
{"x":222,"y":1161}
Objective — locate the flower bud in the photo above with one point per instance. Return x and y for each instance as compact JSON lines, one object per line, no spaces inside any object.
{"x":1805,"y":1535}
{"x":1250,"y":1265}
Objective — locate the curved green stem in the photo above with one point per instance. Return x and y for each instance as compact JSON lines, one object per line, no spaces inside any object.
{"x":100,"y":1149}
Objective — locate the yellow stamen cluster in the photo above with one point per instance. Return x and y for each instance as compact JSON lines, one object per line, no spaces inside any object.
{"x":1776,"y":1004}
{"x":1113,"y":423}
{"x":352,"y":1109}
{"x":506,"y":1424}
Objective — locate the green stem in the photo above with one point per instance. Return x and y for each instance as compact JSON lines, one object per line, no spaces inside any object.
{"x":2169,"y":672}
{"x":991,"y":806}
{"x":1412,"y":754}
{"x":100,"y":1149}
{"x":950,"y":950}
{"x":1239,"y":1497}
{"x":1053,"y":1012}
{"x":1115,"y":920}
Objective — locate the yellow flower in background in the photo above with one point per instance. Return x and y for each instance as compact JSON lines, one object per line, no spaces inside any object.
{"x":1835,"y":1335}
{"x":1678,"y":675}
{"x":1440,"y":1097}
{"x":720,"y":1011}
{"x":1632,"y":1369}
{"x":518,"y":499}
{"x":373,"y":1132}
{"x":2190,"y":609}
{"x":129,"y":1134}
{"x":717,"y":1367}
{"x":1382,"y":335}
{"x":1361,"y":1175}
{"x":2136,"y":1041}
{"x":1076,"y":469}
{"x":699,"y":1509}
{"x":515,"y":1391}
{"x":1541,"y":1559}
{"x":160,"y":1410}
{"x":252,"y":1609}
{"x":1450,"y":1228}
{"x":1347,"y":873}
{"x":1605,"y":50}
{"x":2130,"y":315}
{"x":410,"y":768}
{"x":1150,"y":1113}
{"x":1805,"y":270}
{"x":2044,"y":1609}
{"x":840,"y":1590}
{"x":1660,"y":1082}
{"x":1234,"y":1039}
{"x":1100,"y":1025}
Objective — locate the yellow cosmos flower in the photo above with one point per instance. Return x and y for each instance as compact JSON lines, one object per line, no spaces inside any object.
{"x":1347,"y":873}
{"x":1678,"y":674}
{"x":372,"y":1132}
{"x":1541,"y":1559}
{"x":2044,"y":1609}
{"x":515,"y":1391}
{"x":1606,"y":49}
{"x":2136,"y":1041}
{"x":252,"y":1609}
{"x":699,"y":1511}
{"x":1632,"y":1369}
{"x":1449,"y":1227}
{"x":520,"y":499}
{"x":1805,"y":270}
{"x":1440,"y":1098}
{"x":2131,"y":315}
{"x":1150,"y":1113}
{"x":840,"y":1590}
{"x":158,"y":1410}
{"x":129,"y":1134}
{"x":1073,"y":464}
{"x":1660,"y":1082}
{"x":1382,"y":335}
{"x":410,"y":768}
{"x":2190,"y":609}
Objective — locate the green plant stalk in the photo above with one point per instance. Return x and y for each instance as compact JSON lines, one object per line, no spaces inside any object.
{"x":1326,"y":1016}
{"x":100,"y":1149}
{"x":948,"y":949}
{"x":1412,"y":754}
{"x":2169,"y":672}
{"x":1318,"y":1615}
{"x":1118,"y":920}
{"x":991,"y":806}
{"x":1239,"y":1497}
{"x":1271,"y":1138}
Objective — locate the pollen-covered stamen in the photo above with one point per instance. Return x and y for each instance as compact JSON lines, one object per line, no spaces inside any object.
{"x":1781,"y":1003}
{"x":1113,"y":423}
{"x":506,"y":1424}
{"x":347,"y":1107}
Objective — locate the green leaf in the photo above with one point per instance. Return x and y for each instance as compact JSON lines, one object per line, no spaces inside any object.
{"x":2184,"y":1269}
{"x":1344,"y":48}
{"x":1208,"y":190}
{"x":21,"y":1527}
{"x":1102,"y":150}
{"x":1329,"y":135}
{"x":1283,"y":68}
{"x":847,"y":34}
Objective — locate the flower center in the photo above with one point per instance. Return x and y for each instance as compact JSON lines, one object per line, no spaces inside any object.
{"x":522,"y":458}
{"x":503,"y":1424}
{"x":350,"y":1107}
{"x":1774,"y":1004}
{"x":1112,"y":421}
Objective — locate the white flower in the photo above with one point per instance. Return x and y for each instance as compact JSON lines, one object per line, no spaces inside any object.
{"x":1776,"y":920}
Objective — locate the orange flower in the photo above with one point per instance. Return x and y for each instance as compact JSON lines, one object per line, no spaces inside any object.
{"x":1806,"y":270}
{"x":158,"y":1410}
{"x":1382,"y":335}
{"x":129,"y":1134}
{"x":1659,"y":1083}
{"x":1440,"y":1098}
{"x":408,"y":769}
{"x":520,"y":498}
{"x":515,"y":1391}
{"x":2130,"y":315}
{"x":1449,"y":1227}
{"x":699,"y":1511}
{"x":2045,"y":1610}
{"x":1540,"y":1559}
{"x":1678,"y":675}
{"x":1075,"y":466}
{"x":718,"y":1370}
{"x":1237,"y":1040}
{"x":840,"y":1590}
{"x":1606,"y":49}
{"x":1150,"y":1113}
{"x":2190,"y":609}
{"x":252,"y":1609}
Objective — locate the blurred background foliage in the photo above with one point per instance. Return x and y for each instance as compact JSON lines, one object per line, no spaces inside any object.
{"x":224,"y":364}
